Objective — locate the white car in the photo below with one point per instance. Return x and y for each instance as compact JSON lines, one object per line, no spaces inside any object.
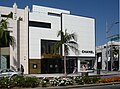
{"x":9,"y":73}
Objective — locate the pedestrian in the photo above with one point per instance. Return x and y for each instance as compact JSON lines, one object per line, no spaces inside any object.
{"x":84,"y":67}
{"x":22,"y":69}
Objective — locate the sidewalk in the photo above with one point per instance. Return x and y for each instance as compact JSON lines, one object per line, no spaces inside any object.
{"x":102,"y":73}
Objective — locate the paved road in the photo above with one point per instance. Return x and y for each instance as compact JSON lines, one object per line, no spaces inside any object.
{"x":114,"y":86}
{"x":101,"y":87}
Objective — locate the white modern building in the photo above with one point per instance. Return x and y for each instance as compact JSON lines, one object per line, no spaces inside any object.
{"x":36,"y":31}
{"x":44,"y":24}
{"x":108,"y":56}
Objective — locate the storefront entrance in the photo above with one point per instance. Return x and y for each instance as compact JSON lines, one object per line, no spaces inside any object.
{"x":57,"y":65}
{"x":51,"y":66}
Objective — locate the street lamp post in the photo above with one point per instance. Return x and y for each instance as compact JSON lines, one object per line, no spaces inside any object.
{"x":107,"y":45}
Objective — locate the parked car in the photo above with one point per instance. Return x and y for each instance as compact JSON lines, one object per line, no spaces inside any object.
{"x":9,"y":73}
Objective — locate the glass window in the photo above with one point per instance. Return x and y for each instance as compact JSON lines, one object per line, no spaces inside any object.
{"x":39,"y":24}
{"x":54,"y":14}
{"x":47,"y":46}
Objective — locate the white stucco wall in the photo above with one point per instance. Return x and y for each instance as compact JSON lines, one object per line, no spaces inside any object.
{"x":37,"y":33}
{"x":84,"y":28}
{"x":40,"y":14}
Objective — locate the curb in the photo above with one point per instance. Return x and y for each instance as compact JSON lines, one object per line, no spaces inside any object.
{"x":76,"y":86}
{"x":80,"y":86}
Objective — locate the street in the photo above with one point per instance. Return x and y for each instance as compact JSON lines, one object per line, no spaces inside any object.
{"x":117,"y":86}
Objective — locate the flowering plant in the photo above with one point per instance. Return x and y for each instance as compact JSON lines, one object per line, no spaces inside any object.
{"x":57,"y":81}
{"x":112,"y":79}
{"x":44,"y":82}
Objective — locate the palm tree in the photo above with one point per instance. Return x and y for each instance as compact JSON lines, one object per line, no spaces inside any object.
{"x":5,"y":38}
{"x":3,"y":26}
{"x":68,"y":41}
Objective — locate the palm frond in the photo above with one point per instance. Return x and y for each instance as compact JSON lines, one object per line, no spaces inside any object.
{"x":59,"y":33}
{"x":11,"y":41}
{"x":66,"y":49}
{"x":69,"y":37}
{"x":73,"y":43}
{"x":1,"y":32}
{"x":68,"y":40}
{"x":57,"y":46}
{"x":74,"y":36}
{"x":5,"y":38}
{"x":3,"y":24}
{"x":10,"y":15}
{"x":73,"y":48}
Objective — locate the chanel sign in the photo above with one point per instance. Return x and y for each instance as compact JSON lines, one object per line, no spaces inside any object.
{"x":86,"y":51}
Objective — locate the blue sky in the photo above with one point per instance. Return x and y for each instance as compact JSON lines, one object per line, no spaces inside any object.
{"x":101,"y":10}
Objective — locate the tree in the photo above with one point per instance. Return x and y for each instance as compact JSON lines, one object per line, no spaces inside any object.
{"x":115,"y":51}
{"x":68,"y":41}
{"x":5,"y":38}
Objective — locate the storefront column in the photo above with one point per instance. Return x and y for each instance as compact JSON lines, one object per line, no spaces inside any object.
{"x":78,"y":65}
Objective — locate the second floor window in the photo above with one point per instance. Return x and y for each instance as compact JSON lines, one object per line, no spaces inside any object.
{"x":39,"y":24}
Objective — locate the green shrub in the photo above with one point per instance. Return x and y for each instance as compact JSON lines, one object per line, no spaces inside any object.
{"x":86,"y":80}
{"x":95,"y":79}
{"x":22,"y":81}
{"x":5,"y":82}
{"x":19,"y":81}
{"x":78,"y":80}
{"x":30,"y":82}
